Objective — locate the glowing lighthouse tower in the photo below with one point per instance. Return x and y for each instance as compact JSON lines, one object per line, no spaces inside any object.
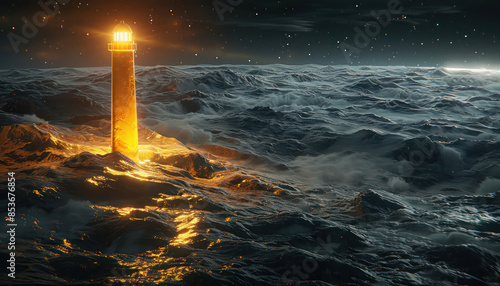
{"x":124,"y":133}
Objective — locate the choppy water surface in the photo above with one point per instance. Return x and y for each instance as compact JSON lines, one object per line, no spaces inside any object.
{"x":257,"y":175}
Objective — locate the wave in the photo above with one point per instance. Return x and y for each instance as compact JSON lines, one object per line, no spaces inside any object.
{"x":256,"y":175}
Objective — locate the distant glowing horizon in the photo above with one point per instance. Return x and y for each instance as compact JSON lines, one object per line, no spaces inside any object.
{"x":474,"y":70}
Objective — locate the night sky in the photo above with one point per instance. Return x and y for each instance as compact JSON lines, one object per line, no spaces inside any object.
{"x":456,"y":33}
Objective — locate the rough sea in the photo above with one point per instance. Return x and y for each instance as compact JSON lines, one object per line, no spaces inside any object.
{"x":255,"y":175}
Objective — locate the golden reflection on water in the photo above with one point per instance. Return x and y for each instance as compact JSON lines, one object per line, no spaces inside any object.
{"x":66,"y":243}
{"x":138,"y":174}
{"x":150,"y":267}
{"x":98,"y":180}
{"x":155,"y":266}
{"x":64,"y":248}
{"x":186,"y":224}
{"x":126,"y":211}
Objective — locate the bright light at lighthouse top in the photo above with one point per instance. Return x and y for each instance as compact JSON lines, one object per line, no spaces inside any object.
{"x":122,"y":33}
{"x":122,"y":39}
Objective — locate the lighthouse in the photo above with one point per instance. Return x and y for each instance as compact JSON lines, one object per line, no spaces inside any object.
{"x":124,"y":134}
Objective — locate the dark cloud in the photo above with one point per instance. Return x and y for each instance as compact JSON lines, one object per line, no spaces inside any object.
{"x":275,"y":24}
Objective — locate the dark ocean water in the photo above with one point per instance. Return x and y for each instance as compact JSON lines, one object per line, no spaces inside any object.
{"x":256,"y":175}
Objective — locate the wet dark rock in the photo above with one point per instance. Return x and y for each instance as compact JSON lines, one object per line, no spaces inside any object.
{"x":370,"y":205}
{"x":29,"y":138}
{"x":248,"y":183}
{"x":194,"y":163}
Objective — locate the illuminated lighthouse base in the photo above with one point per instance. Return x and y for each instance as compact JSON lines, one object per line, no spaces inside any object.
{"x":124,"y":134}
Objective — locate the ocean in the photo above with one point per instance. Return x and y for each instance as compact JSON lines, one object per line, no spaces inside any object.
{"x":255,"y":175}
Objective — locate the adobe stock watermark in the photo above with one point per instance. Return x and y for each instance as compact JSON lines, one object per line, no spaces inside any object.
{"x":223,"y":6}
{"x":425,"y":149}
{"x":12,"y":224}
{"x":39,"y":20}
{"x":372,"y":29}
{"x":309,"y":265}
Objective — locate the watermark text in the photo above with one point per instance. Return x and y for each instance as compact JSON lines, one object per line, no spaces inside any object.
{"x":223,"y":6}
{"x":31,"y":26}
{"x":372,"y":30}
{"x":11,"y":225}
